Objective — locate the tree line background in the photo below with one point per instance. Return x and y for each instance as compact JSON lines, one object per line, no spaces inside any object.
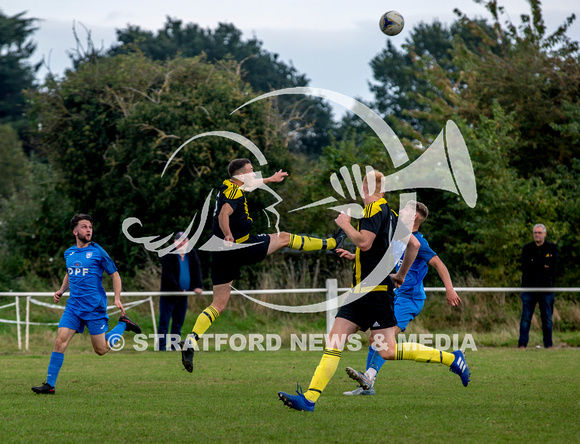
{"x":97,"y":138}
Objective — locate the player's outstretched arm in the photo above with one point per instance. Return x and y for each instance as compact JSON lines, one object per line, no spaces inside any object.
{"x":452,"y":296}
{"x":64,"y":287}
{"x":117,"y":286}
{"x":345,"y":254}
{"x":276,"y":177}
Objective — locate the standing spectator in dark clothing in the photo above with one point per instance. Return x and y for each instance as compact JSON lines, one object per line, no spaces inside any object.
{"x":538,"y":270}
{"x":179,"y":272}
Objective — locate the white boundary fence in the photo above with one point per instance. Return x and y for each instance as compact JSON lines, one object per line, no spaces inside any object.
{"x":331,"y":291}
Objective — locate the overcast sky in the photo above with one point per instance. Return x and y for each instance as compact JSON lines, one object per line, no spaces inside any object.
{"x":332,"y":42}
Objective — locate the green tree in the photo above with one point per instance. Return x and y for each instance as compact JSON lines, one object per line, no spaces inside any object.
{"x":513,"y":92}
{"x":530,"y":72}
{"x":16,"y":74}
{"x":308,"y":119}
{"x":396,"y":84}
{"x":14,"y":163}
{"x":33,"y":232}
{"x":263,"y":70}
{"x":112,"y":125}
{"x":515,"y":99}
{"x":525,"y":68}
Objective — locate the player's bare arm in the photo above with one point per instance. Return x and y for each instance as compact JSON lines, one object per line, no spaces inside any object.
{"x":224,"y":221}
{"x":452,"y":296}
{"x":117,"y":286}
{"x":64,"y":287}
{"x":345,"y":254}
{"x":362,"y":239}
{"x":408,"y":259}
{"x":276,"y":177}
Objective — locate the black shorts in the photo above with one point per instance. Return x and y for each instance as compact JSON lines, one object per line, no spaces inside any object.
{"x":226,"y":265}
{"x":374,"y":310}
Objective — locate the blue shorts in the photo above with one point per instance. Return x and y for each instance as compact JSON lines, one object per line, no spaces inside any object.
{"x":406,"y":310}
{"x":73,"y":321}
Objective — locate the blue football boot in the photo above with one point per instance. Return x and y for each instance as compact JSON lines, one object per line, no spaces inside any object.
{"x":460,"y":367}
{"x":297,"y":402}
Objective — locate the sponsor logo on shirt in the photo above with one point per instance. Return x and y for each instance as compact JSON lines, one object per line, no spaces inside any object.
{"x":77,"y":269}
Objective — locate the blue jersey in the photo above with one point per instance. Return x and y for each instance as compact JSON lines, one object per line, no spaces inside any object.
{"x":85,"y":268}
{"x":413,"y":288}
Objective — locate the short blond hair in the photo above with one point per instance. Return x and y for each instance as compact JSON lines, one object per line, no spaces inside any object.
{"x":379,"y":179}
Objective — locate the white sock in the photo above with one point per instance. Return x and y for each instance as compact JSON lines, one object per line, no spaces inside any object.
{"x":371,"y":374}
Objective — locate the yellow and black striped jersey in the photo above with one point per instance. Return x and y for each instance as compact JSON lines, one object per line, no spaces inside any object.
{"x":240,"y":220}
{"x":379,"y":219}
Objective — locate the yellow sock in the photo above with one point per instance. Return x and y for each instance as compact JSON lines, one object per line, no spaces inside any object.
{"x":323,"y":373}
{"x":306,"y":243}
{"x":413,"y":351}
{"x":204,"y":320}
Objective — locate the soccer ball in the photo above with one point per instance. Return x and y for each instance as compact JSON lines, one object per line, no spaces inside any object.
{"x":391,"y":23}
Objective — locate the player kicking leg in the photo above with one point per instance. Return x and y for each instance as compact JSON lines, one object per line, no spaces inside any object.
{"x":226,"y":267}
{"x":236,"y":247}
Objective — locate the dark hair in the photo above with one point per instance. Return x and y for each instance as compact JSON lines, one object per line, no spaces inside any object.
{"x":77,"y":218}
{"x":420,"y":209}
{"x":236,"y":165}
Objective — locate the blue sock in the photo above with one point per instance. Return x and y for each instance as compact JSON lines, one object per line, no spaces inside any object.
{"x":370,"y":356}
{"x":56,"y":360}
{"x":377,"y":361}
{"x":115,"y":334}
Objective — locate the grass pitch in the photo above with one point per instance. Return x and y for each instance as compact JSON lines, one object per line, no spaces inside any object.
{"x":515,"y":396}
